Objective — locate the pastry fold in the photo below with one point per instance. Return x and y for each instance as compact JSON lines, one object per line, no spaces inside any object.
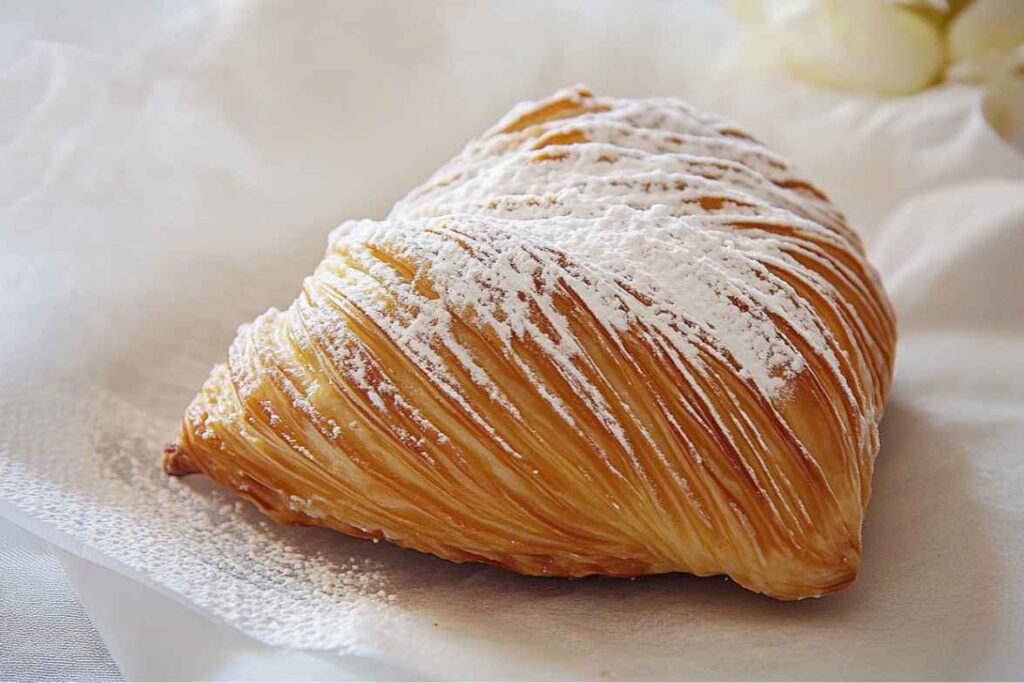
{"x":611,"y":336}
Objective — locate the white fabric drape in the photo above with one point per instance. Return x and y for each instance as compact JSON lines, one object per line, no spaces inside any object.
{"x":169,"y":170}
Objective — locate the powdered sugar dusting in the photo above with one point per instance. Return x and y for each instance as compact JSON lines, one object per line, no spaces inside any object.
{"x":606,"y":307}
{"x":627,"y":208}
{"x":283,"y":586}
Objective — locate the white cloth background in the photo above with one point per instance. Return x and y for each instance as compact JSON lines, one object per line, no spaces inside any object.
{"x":169,"y":170}
{"x":45,"y":634}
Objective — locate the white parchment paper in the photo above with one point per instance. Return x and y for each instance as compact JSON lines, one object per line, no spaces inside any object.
{"x":169,"y":171}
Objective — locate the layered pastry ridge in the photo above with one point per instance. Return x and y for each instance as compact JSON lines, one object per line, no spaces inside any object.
{"x":611,"y":336}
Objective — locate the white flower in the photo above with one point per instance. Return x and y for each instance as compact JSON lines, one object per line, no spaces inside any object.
{"x":867,"y":45}
{"x":986,"y":40}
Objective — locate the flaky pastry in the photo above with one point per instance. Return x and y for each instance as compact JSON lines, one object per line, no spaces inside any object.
{"x":612,"y":336}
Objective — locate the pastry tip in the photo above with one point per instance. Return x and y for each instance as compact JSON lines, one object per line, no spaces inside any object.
{"x":177,"y":462}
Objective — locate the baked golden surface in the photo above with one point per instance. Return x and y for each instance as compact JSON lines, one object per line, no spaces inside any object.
{"x":611,"y":337}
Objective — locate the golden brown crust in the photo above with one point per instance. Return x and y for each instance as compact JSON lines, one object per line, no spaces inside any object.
{"x":177,"y":462}
{"x":482,"y":378}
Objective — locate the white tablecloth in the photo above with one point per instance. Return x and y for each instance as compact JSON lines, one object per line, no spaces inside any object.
{"x":45,"y":634}
{"x":167,"y":170}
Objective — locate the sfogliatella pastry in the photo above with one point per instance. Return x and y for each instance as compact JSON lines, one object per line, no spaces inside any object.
{"x":611,"y":336}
